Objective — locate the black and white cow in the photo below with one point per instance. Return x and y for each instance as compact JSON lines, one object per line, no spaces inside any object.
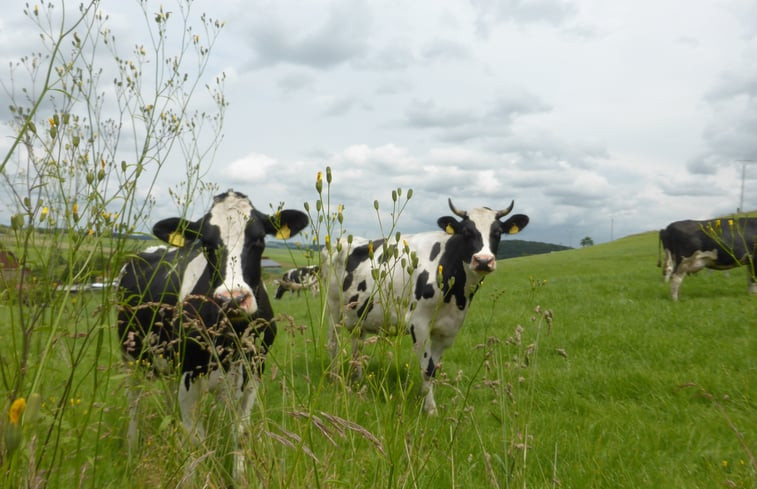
{"x":720,"y":244}
{"x":423,"y":284}
{"x":200,"y":306}
{"x":297,"y":279}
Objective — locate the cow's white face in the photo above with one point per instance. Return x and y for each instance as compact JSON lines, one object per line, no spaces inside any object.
{"x":231,"y":216}
{"x":232,"y":238}
{"x":477,"y":235}
{"x":484,"y":258}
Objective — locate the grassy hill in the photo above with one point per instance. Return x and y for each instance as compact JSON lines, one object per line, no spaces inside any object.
{"x":573,"y":369}
{"x":616,"y":386}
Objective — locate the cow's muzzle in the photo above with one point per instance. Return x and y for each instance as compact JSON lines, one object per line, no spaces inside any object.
{"x":483,"y":263}
{"x":238,"y":299}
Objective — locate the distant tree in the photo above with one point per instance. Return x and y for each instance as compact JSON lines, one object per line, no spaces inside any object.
{"x":587,"y":241}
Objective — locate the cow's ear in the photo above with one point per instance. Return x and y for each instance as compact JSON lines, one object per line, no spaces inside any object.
{"x":449,"y":224}
{"x":286,"y":223}
{"x":515,"y":224}
{"x":175,"y":231}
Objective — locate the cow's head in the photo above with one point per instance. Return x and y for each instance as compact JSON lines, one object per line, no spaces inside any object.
{"x":478,"y":232}
{"x":232,"y":238}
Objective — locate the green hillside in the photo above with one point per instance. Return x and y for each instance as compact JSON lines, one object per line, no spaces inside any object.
{"x":573,"y":369}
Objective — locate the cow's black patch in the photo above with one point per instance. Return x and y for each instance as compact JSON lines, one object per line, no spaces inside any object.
{"x":358,"y":255}
{"x":353,"y":299}
{"x":366,"y":308}
{"x":362,"y":286}
{"x":431,"y":368}
{"x":412,"y":333}
{"x":423,"y":289}
{"x":459,"y":250}
{"x":435,"y":251}
{"x":347,"y":282}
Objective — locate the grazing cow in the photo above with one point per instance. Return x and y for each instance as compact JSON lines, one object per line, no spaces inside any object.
{"x":423,"y":284}
{"x":296,"y":279}
{"x":719,"y":244}
{"x":201,"y":307}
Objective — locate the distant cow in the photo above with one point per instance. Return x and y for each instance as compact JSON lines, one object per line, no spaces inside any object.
{"x":200,"y":305}
{"x":297,"y":279}
{"x":423,"y":284}
{"x":719,"y":244}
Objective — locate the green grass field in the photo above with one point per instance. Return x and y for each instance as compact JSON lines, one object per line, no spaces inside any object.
{"x":573,"y":369}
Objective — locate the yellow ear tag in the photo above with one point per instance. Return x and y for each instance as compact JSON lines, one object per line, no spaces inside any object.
{"x":284,"y":232}
{"x":449,"y":229}
{"x":513,"y":229}
{"x":176,"y":239}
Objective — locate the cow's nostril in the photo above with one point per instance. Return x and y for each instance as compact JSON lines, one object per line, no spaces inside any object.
{"x":484,"y":263}
{"x":223,"y":298}
{"x":240,"y":299}
{"x":232,"y":299}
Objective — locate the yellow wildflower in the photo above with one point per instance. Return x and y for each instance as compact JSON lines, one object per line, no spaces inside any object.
{"x":16,"y":410}
{"x":319,"y":182}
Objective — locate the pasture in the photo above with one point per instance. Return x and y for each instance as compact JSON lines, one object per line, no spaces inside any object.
{"x":573,"y":369}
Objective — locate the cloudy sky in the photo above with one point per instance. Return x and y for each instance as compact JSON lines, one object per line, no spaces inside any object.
{"x":599,"y":118}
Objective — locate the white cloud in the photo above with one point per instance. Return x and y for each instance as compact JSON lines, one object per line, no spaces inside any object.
{"x":582,"y":111}
{"x":252,"y":168}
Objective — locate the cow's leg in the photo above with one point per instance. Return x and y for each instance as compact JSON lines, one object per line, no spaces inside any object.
{"x":668,"y":265}
{"x":357,"y":354}
{"x":675,"y":283}
{"x":247,"y":401}
{"x":132,"y":435}
{"x":430,"y":349}
{"x":239,"y":390}
{"x":190,"y":392}
{"x":424,"y":350}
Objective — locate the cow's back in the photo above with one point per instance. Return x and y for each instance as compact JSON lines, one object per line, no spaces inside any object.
{"x":381,"y":282}
{"x":733,"y":239}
